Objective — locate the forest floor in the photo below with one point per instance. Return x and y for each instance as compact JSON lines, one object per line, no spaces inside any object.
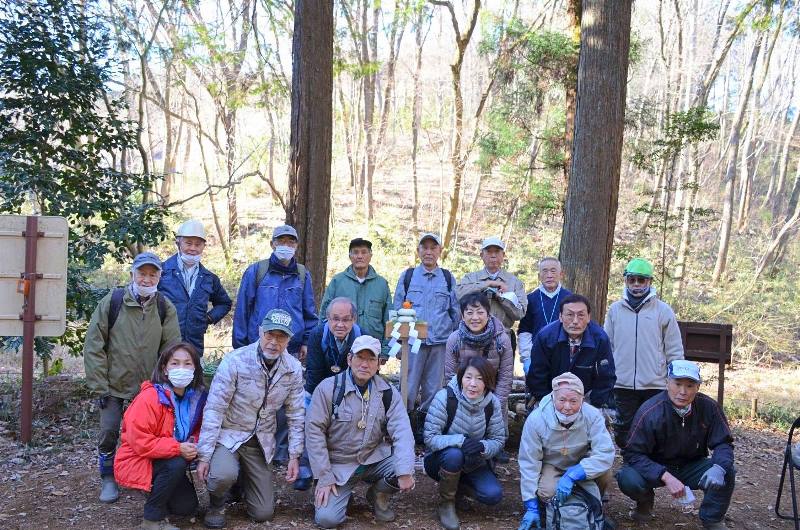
{"x":53,"y":483}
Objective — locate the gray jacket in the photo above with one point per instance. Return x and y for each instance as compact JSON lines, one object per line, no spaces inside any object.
{"x":507,"y":311}
{"x":545,"y":441}
{"x":469,"y":421}
{"x":337,"y":447}
{"x":240,"y":404}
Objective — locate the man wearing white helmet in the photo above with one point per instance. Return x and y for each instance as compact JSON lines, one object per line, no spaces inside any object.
{"x":196,"y":292}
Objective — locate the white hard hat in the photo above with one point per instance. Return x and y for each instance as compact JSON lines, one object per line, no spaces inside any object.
{"x":192,"y":228}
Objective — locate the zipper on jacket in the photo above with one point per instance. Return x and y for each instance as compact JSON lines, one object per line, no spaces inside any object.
{"x":635,"y":348}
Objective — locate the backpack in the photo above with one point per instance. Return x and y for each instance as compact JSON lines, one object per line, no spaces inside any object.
{"x":581,"y":511}
{"x":448,"y":277}
{"x":452,"y":405}
{"x":263,"y":268}
{"x":116,"y":306}
{"x":339,"y":382}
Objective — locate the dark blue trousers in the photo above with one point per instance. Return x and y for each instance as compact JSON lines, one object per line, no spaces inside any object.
{"x":172,"y":492}
{"x":481,"y":480}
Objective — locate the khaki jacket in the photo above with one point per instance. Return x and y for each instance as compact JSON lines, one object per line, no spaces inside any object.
{"x":240,"y":404}
{"x":117,"y":363}
{"x":336,"y":446}
{"x":506,"y":311}
{"x":644,"y":342}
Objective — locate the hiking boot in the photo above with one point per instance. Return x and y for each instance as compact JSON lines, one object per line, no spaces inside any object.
{"x":644,"y":510}
{"x":448,"y":486}
{"x":215,"y":516}
{"x":109,"y":491}
{"x":379,"y":496}
{"x":157,"y":525}
{"x":502,"y":457}
{"x":719,"y":525}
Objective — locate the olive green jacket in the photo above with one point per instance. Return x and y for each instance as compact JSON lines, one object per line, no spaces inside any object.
{"x":117,"y":363}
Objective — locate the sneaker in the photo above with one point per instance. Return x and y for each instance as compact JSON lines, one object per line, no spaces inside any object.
{"x":109,"y":491}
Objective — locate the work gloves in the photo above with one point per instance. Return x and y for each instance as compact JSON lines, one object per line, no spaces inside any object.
{"x":531,"y":518}
{"x":471,"y":447}
{"x":567,"y":481}
{"x":713,"y":478}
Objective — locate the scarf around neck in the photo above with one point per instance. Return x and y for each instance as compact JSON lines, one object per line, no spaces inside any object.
{"x":479,"y":341}
{"x":276,"y":265}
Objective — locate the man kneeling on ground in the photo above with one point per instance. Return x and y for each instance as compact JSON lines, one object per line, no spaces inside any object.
{"x":239,"y":422}
{"x":668,"y":446}
{"x":350,"y":418}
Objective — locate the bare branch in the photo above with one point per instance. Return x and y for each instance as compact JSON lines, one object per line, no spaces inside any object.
{"x":453,"y":18}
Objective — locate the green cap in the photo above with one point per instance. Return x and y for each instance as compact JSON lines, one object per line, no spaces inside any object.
{"x":639,"y":267}
{"x":277,"y":320}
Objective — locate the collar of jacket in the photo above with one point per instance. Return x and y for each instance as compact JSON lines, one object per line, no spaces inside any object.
{"x":587,"y":339}
{"x":462,"y":401}
{"x":548,"y":407}
{"x":281,"y":365}
{"x":483,"y":274}
{"x":437,"y":270}
{"x":351,"y":273}
{"x":650,"y":296}
{"x":378,"y":383}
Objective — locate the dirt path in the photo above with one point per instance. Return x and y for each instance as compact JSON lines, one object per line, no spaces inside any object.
{"x":55,"y":485}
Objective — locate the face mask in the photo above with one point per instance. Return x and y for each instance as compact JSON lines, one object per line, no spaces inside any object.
{"x":180,"y":377}
{"x":284,"y":253}
{"x":190,"y":260}
{"x":566,"y":420}
{"x":547,"y":293}
{"x":636,"y":292}
{"x":144,"y":292}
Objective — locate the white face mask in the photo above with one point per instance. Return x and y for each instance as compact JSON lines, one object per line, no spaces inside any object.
{"x":144,"y":292}
{"x":284,"y":252}
{"x":180,"y":377}
{"x":566,"y":420}
{"x":190,"y":260}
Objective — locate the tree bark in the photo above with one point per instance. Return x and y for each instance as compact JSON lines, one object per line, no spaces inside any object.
{"x":571,"y":84}
{"x":416,"y":116}
{"x":310,"y":141}
{"x":593,"y":191}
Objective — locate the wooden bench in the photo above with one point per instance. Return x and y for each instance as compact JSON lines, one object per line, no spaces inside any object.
{"x":708,"y":343}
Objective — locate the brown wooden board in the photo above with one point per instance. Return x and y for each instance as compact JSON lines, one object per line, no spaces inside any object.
{"x":706,"y":342}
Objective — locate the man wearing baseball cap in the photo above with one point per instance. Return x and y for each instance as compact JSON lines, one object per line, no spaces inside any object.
{"x":192,"y":287}
{"x":129,"y":328}
{"x":357,"y":429}
{"x":431,"y":291}
{"x":278,"y":282}
{"x":239,"y":421}
{"x":669,"y":443}
{"x":367,"y":289}
{"x":506,"y":293}
{"x":645,"y":338}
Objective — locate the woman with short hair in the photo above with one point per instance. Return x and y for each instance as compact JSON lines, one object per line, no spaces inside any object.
{"x":463,"y":431}
{"x":159,"y":437}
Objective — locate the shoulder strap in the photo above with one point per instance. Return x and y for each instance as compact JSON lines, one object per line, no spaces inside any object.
{"x":448,"y":278}
{"x":261,"y":271}
{"x":161,"y":302}
{"x":387,"y":396}
{"x":488,"y":412}
{"x":116,"y":305}
{"x":337,"y":397}
{"x":452,"y":405}
{"x":407,"y":281}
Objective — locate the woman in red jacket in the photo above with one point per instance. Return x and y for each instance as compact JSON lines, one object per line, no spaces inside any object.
{"x":159,"y":435}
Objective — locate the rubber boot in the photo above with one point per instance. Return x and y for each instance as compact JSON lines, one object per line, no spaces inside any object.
{"x":109,"y":491}
{"x":215,"y":516}
{"x":719,"y":525}
{"x":644,"y":509}
{"x":157,"y":525}
{"x":448,"y":485}
{"x":379,"y":496}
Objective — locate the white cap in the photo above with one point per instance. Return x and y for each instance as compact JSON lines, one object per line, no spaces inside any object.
{"x":192,"y":228}
{"x":682,"y":369}
{"x":493,"y":241}
{"x":430,"y":235}
{"x":366,"y":342}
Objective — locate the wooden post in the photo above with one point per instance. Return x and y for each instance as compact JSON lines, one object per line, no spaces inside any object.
{"x":753,"y":408}
{"x":405,"y":351}
{"x":28,"y":318}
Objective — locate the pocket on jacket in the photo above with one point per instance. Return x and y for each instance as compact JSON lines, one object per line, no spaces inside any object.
{"x":375,"y":309}
{"x":442,"y":301}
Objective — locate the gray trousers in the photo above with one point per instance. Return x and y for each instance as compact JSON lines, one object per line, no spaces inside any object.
{"x":333,"y":514}
{"x":257,"y":481}
{"x":425,"y":374}
{"x":110,"y":420}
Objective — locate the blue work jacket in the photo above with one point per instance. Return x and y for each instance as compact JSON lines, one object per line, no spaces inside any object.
{"x":276,"y":291}
{"x":432,"y":301}
{"x":194,"y":315}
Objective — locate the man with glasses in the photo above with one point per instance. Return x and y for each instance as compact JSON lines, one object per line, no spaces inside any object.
{"x":645,"y":338}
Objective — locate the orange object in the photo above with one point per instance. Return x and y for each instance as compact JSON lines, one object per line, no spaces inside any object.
{"x":407,"y":305}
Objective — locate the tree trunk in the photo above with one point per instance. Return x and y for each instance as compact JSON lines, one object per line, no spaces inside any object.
{"x":416,"y":116}
{"x":310,"y":141}
{"x":783,"y":165}
{"x":593,"y":191}
{"x":777,"y":248}
{"x":679,"y":276}
{"x":729,"y":179}
{"x":571,"y":84}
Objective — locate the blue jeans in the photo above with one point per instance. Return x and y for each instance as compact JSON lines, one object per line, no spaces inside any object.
{"x":715,"y":502}
{"x":481,"y":480}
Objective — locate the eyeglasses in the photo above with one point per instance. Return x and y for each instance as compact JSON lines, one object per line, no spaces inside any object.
{"x":636,"y":279}
{"x":337,"y":320}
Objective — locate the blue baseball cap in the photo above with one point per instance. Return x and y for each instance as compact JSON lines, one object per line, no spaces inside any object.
{"x":682,"y":369}
{"x":277,"y":320}
{"x":146,"y":258}
{"x":284,"y":230}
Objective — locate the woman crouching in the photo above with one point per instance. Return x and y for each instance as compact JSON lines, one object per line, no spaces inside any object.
{"x":159,"y":435}
{"x":464,"y":430}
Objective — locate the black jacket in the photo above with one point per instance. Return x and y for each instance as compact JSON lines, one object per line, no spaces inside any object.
{"x":322,"y":354}
{"x":593,"y":364}
{"x":660,"y":438}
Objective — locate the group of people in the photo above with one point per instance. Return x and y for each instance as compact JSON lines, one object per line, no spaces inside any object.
{"x":302,"y":391}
